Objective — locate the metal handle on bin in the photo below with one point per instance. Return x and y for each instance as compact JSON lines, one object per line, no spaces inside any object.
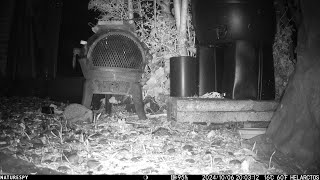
{"x":76,"y":51}
{"x":221,"y":31}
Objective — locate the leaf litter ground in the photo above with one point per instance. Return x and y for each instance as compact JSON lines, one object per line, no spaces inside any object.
{"x":118,"y":144}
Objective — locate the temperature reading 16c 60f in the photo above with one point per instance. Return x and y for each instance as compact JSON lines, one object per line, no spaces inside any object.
{"x":269,"y":177}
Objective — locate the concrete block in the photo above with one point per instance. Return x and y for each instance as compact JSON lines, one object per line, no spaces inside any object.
{"x":219,"y":110}
{"x":223,"y":116}
{"x":199,"y":104}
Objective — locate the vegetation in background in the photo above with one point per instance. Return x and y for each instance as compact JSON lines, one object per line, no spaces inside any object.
{"x":156,"y":27}
{"x":284,"y":62}
{"x":283,"y":48}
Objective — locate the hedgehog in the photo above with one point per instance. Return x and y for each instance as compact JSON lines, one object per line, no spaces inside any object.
{"x":77,"y":112}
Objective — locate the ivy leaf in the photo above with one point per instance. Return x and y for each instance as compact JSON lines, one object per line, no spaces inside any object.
{"x":152,"y":81}
{"x":159,"y":72}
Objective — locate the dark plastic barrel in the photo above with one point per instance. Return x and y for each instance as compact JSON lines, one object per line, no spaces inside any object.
{"x":183,"y":76}
{"x":234,"y":40}
{"x":211,"y":64}
{"x":228,"y":20}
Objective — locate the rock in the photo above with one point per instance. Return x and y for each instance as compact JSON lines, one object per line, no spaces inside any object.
{"x":64,"y":169}
{"x":104,"y":141}
{"x":217,"y":142}
{"x":123,"y":159}
{"x":188,"y":148}
{"x":96,"y":136}
{"x":217,"y":160}
{"x":37,"y":143}
{"x":207,"y":157}
{"x":123,"y":153}
{"x":36,"y":159}
{"x":226,"y":172}
{"x":246,"y":164}
{"x":77,"y":112}
{"x":190,"y":160}
{"x":148,"y":170}
{"x":257,"y":168}
{"x":136,"y":159}
{"x":47,"y":161}
{"x":171,"y":150}
{"x":73,"y":158}
{"x":71,"y":140}
{"x":161,"y":132}
{"x":235,"y":162}
{"x":93,"y":164}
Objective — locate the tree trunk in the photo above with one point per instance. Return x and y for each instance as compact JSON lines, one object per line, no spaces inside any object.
{"x":130,"y":11}
{"x":183,"y":28}
{"x":295,"y":126}
{"x":177,"y":5}
{"x":181,"y":12}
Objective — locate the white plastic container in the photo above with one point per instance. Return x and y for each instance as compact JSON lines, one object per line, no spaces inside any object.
{"x":248,"y":133}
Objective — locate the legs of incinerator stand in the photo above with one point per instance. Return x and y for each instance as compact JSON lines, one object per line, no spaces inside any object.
{"x":136,"y":93}
{"x":87,"y":93}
